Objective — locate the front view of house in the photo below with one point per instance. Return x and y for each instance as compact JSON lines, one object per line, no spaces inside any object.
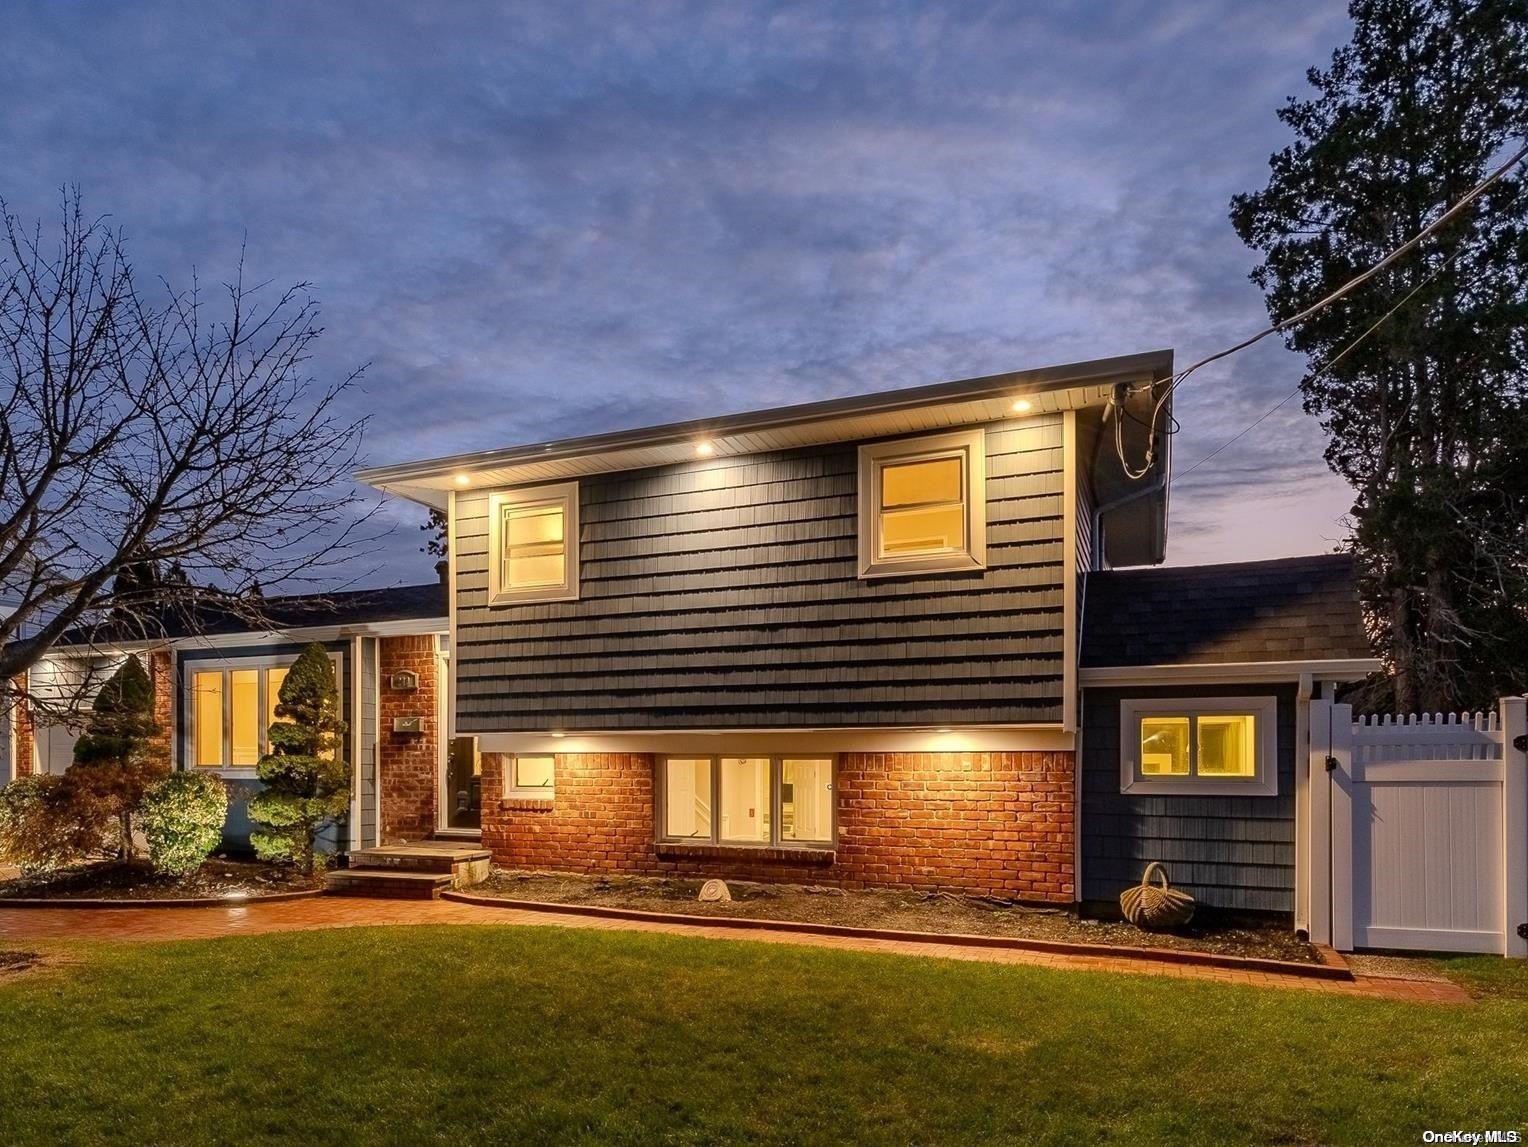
{"x":878,"y":641}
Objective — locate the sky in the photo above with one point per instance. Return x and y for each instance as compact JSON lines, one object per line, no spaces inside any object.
{"x":531,"y":221}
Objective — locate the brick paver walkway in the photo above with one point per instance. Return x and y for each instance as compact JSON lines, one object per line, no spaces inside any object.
{"x":21,"y":925}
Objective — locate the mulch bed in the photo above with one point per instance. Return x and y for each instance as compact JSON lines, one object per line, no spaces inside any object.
{"x":905,"y":911}
{"x":115,"y":880}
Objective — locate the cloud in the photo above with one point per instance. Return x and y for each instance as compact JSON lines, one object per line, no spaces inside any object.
{"x":538,"y":220}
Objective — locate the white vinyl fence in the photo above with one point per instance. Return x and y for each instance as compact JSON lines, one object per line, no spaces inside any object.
{"x":1419,"y":830}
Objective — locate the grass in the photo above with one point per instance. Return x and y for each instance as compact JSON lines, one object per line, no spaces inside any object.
{"x":468,"y":1035}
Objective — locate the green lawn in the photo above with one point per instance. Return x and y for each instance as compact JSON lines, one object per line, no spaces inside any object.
{"x":472,"y":1035}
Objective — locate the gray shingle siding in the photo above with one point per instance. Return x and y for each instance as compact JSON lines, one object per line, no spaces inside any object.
{"x":724,"y":594}
{"x":1229,"y":852}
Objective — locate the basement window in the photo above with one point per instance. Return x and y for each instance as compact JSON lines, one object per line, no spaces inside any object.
{"x":533,"y":544}
{"x":922,"y":505}
{"x":1201,"y":746}
{"x":532,"y":777}
{"x":747,"y":801}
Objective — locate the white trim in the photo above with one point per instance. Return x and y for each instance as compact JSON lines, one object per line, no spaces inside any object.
{"x":376,"y":734}
{"x":355,"y":742}
{"x":1069,"y":619}
{"x":563,"y":495}
{"x":1265,"y":778}
{"x":1227,"y":672}
{"x":211,"y":643}
{"x":1302,"y":804}
{"x":443,"y":758}
{"x":970,"y":446}
{"x":766,"y":742}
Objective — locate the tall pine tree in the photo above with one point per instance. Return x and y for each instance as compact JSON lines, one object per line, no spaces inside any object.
{"x":1428,"y":418}
{"x":307,"y":782}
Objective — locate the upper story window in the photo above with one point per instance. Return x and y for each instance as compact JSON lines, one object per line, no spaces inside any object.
{"x":922,"y":505}
{"x":231,"y":707}
{"x":533,"y":544}
{"x":1204,"y":746}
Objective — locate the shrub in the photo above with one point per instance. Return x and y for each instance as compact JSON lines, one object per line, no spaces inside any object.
{"x":120,"y":753}
{"x":307,"y":783}
{"x":183,"y":817}
{"x":49,"y":822}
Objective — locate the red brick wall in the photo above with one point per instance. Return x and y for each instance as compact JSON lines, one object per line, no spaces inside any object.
{"x":162,"y":677}
{"x":407,"y":762}
{"x":22,"y":730}
{"x":989,"y":823}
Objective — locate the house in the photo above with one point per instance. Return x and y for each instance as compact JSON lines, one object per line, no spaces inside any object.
{"x":215,"y":688}
{"x":884,"y":641}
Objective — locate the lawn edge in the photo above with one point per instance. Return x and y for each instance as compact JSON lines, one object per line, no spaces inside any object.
{"x":1331,"y":966}
{"x":189,"y":902}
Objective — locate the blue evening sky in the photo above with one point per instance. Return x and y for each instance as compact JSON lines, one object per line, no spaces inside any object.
{"x":539,"y":220}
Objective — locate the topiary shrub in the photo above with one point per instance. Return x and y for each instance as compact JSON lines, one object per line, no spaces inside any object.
{"x":307,"y":783}
{"x":183,"y":817}
{"x":49,"y":822}
{"x":121,"y":753}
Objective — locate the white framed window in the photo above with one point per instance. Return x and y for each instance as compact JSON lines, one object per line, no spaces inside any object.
{"x":1201,"y":746}
{"x":230,"y":707}
{"x":531,"y":776}
{"x":533,"y":544}
{"x":922,"y":505}
{"x":759,"y":801}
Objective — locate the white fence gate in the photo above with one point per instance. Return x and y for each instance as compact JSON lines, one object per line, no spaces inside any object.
{"x":1419,"y":830}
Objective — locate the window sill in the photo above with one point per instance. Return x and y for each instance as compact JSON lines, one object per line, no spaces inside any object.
{"x":769,"y":854}
{"x":526,"y":804}
{"x":1259,"y":787}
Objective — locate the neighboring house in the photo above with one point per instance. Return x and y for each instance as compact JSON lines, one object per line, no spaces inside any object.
{"x":877,"y":641}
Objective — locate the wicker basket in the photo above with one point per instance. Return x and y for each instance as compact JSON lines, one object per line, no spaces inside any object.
{"x":1154,"y":908}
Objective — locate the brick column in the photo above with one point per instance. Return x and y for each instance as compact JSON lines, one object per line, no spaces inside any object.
{"x":162,"y":677}
{"x":23,"y":730}
{"x":407,"y":762}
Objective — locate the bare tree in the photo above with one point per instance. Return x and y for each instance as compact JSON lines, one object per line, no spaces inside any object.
{"x":140,"y":433}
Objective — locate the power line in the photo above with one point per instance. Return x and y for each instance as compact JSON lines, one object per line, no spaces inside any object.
{"x":1322,"y":369}
{"x":1321,"y":304}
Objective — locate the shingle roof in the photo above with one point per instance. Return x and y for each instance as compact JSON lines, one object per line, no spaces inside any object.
{"x":1289,"y":609}
{"x":352,"y":607}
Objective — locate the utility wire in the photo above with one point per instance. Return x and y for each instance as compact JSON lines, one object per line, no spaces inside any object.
{"x":1319,"y":371}
{"x":1321,"y":304}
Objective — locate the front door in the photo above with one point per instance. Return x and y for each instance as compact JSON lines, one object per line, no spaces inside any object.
{"x":462,"y":792}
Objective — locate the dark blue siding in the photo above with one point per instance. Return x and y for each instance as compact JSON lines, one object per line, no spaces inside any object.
{"x":725,"y":593}
{"x":1229,"y":852}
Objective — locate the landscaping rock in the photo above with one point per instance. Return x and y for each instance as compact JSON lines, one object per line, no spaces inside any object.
{"x":713,"y":890}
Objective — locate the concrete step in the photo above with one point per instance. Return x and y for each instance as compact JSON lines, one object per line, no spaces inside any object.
{"x":425,"y":856}
{"x":387,"y":884}
{"x":466,"y":865}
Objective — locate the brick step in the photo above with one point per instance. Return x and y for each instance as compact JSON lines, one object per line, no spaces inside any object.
{"x":387,"y":884}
